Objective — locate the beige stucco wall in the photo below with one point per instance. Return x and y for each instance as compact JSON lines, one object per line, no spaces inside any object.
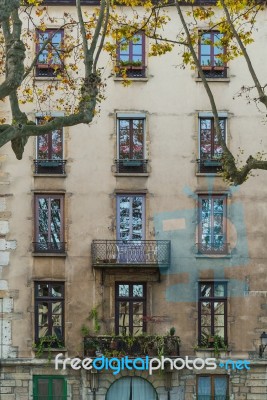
{"x":171,"y":97}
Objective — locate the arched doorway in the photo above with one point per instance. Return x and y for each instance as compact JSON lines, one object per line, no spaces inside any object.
{"x":131,"y":388}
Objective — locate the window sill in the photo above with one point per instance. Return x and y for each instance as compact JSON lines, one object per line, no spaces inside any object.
{"x":213,"y":79}
{"x":141,"y":175}
{"x":49,"y":175}
{"x":49,"y":254}
{"x":213,"y":256}
{"x":119,"y":79}
{"x":53,"y":350}
{"x":46,"y":78}
{"x":208,"y":174}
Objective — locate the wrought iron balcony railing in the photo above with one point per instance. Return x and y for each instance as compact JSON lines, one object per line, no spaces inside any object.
{"x":209,"y":166}
{"x":213,"y":248}
{"x":126,"y":166}
{"x":49,"y":247}
{"x":49,"y":166}
{"x":134,"y":252}
{"x":142,"y":345}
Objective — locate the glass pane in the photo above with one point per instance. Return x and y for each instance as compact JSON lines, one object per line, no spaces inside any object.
{"x":138,"y":291}
{"x":56,"y":145}
{"x":43,"y":390}
{"x":205,"y":290}
{"x":205,"y":307}
{"x":57,"y":290}
{"x":218,"y":307}
{"x":123,"y":314}
{"x":204,"y":386}
{"x":219,"y":330}
{"x":205,"y":333}
{"x":219,"y":290}
{"x":219,"y":320}
{"x":137,"y":218}
{"x":42,"y":290}
{"x":220,"y":387}
{"x":42,"y":146}
{"x":57,"y":307}
{"x":124,"y":139}
{"x":42,"y":319}
{"x":205,"y":61}
{"x":55,"y":222}
{"x":57,"y":389}
{"x":205,"y":320}
{"x":124,"y":218}
{"x":124,"y":291}
{"x":138,"y":137}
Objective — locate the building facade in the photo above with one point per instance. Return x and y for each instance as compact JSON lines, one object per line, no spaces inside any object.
{"x":121,"y":238}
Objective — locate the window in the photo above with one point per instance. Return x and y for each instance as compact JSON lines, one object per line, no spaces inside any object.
{"x":130,"y":308}
{"x":210,"y":149}
{"x":212,"y":387}
{"x":49,"y":229}
{"x":49,"y":311}
{"x":131,"y":144}
{"x":131,"y":56}
{"x":130,"y":217}
{"x":49,"y":387}
{"x":131,"y":388}
{"x":212,"y":312}
{"x":49,"y":61}
{"x":210,"y":52}
{"x":49,"y":152}
{"x":212,"y":224}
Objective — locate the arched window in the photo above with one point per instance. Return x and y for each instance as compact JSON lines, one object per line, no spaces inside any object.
{"x":131,"y":388}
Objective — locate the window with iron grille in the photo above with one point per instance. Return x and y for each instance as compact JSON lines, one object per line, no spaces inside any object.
{"x":210,"y":150}
{"x":49,"y":61}
{"x":49,"y":312}
{"x":210,"y":52}
{"x":212,"y":387}
{"x":49,"y":223}
{"x":130,"y":308}
{"x":212,"y":313}
{"x":131,"y":56}
{"x":212,"y":238}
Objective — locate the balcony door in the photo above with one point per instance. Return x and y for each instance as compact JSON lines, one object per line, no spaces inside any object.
{"x":130,"y":228}
{"x":130,"y":217}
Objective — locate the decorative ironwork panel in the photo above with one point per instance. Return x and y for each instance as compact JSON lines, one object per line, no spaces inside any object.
{"x":49,"y":166}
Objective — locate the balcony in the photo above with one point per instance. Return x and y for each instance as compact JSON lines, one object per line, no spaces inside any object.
{"x":141,"y":346}
{"x":49,"y":247}
{"x":49,"y":167}
{"x":209,"y":166}
{"x":213,"y":249}
{"x":132,"y":71}
{"x":117,"y":253}
{"x":126,"y":166}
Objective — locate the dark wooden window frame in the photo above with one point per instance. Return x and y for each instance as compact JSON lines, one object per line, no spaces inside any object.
{"x":212,"y":385}
{"x":131,"y":300}
{"x":207,"y":69}
{"x":49,"y":142}
{"x":212,"y":197}
{"x":143,"y":55}
{"x":212,"y":134}
{"x":49,"y":299}
{"x":47,"y":68}
{"x":212,"y":299}
{"x":130,"y":119}
{"x":49,"y":196}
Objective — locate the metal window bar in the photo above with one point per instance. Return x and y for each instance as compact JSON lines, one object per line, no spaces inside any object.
{"x":213,"y":248}
{"x":49,"y":166}
{"x":49,"y":247}
{"x":131,"y":166}
{"x":209,"y":166}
